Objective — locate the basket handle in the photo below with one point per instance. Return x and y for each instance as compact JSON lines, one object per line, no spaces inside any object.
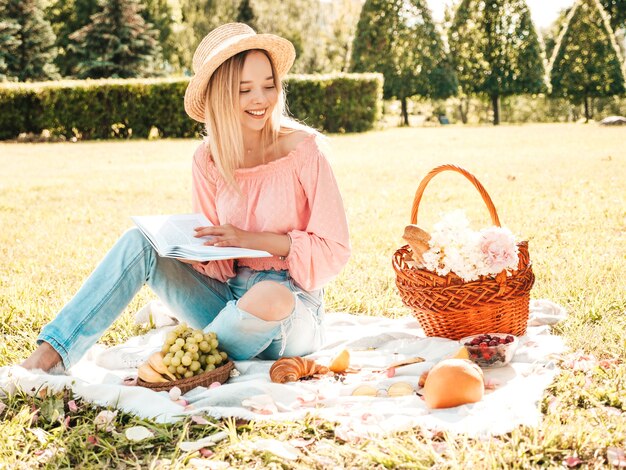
{"x":481,"y":189}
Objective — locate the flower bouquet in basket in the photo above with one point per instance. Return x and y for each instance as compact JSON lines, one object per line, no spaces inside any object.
{"x":460,"y":282}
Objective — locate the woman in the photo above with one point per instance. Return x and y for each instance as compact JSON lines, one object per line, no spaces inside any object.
{"x":263,"y":182}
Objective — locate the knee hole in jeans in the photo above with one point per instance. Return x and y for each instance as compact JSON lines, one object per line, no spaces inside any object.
{"x":268,"y":300}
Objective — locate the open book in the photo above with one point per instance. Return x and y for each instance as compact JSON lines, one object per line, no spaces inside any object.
{"x":172,"y":236}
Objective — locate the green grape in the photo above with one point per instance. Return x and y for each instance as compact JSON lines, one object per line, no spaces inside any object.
{"x":192,"y":348}
{"x":174,"y":348}
{"x":188,"y":374}
{"x":195,"y":356}
{"x":218,"y":359}
{"x":180,"y":342}
{"x":179,"y":354}
{"x":175,"y":361}
{"x":210,"y":359}
{"x":214,"y":343}
{"x":209,"y":368}
{"x":204,"y":346}
{"x":198,"y":336}
{"x":172,"y":369}
{"x":186,"y":360}
{"x":180,"y":329}
{"x":202,"y":360}
{"x":171,"y":337}
{"x":195,"y":365}
{"x":167,"y":359}
{"x":165,"y":348}
{"x":180,"y":370}
{"x":224,"y":355}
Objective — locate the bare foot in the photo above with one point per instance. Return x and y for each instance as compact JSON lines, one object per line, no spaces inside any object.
{"x":44,"y":357}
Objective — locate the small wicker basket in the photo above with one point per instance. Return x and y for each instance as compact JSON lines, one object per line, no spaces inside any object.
{"x":219,"y":374}
{"x":448,"y":307}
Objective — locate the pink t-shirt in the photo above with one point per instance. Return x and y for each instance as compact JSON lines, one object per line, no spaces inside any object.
{"x":296,"y":195}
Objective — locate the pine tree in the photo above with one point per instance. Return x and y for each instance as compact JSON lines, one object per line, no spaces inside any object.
{"x":31,"y":40}
{"x":67,"y":16}
{"x":9,"y":44}
{"x":496,"y":50}
{"x":117,"y":43}
{"x":586,"y":62}
{"x":398,"y":39}
{"x":245,"y":14}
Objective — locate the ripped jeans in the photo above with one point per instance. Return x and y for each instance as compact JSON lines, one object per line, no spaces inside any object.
{"x":197,"y":299}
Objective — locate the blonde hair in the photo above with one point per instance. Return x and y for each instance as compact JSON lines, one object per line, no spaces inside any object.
{"x":222,"y":119}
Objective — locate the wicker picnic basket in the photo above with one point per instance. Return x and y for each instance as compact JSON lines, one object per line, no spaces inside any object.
{"x":219,"y":374}
{"x":448,"y":307}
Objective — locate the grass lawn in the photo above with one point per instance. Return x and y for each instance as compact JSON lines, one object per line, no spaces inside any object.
{"x":562,"y":187}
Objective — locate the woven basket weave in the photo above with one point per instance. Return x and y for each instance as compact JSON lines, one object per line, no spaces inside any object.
{"x":448,"y":307}
{"x":219,"y":374}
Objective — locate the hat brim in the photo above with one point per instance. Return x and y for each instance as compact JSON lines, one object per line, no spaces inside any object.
{"x":280,"y":50}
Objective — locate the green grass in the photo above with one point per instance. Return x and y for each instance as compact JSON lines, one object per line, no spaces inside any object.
{"x":559,"y":186}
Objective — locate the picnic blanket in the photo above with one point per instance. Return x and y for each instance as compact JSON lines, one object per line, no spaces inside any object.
{"x":511,"y":399}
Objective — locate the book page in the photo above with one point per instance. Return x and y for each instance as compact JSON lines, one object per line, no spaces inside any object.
{"x":173,"y":236}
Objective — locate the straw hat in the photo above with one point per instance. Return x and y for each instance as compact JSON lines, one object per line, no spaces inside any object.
{"x":223,"y":43}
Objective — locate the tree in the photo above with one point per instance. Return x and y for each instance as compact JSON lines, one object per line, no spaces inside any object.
{"x":496,"y":50}
{"x":197,"y":19}
{"x":116,"y":43}
{"x":586,"y":62}
{"x":302,"y":23}
{"x":398,"y":39}
{"x":31,"y":40}
{"x":342,"y":17}
{"x":616,"y":9}
{"x":159,"y":14}
{"x":67,"y":16}
{"x":9,"y":44}
{"x":245,"y":14}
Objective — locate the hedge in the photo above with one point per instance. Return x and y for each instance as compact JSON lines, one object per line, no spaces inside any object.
{"x":102,"y":109}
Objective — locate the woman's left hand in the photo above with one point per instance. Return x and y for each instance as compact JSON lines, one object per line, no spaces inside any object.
{"x":224,"y":235}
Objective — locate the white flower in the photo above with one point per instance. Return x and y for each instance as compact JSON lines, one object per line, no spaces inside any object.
{"x":455,"y":247}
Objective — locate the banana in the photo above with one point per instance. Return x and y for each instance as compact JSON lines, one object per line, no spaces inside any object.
{"x":156,"y":362}
{"x":148,"y":374}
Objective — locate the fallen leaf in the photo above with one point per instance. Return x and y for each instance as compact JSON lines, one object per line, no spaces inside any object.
{"x":40,"y":434}
{"x":299,"y":442}
{"x":279,"y":448}
{"x":138,"y":433}
{"x":72,"y":406}
{"x":104,"y":420}
{"x":93,"y":440}
{"x":616,"y":456}
{"x":192,"y":446}
{"x":199,"y":419}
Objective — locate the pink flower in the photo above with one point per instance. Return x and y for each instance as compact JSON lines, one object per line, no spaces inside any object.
{"x":498,"y":246}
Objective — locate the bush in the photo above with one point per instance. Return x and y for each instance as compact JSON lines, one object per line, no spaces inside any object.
{"x":102,"y":109}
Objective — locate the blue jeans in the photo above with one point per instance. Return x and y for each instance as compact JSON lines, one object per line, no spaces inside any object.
{"x":197,"y":299}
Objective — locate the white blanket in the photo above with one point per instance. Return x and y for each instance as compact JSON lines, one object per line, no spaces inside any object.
{"x":373,"y":342}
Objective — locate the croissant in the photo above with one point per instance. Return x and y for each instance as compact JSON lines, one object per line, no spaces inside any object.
{"x":290,"y":369}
